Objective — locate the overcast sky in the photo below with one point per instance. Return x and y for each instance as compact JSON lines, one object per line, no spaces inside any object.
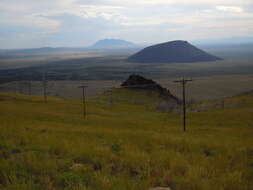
{"x":37,"y":23}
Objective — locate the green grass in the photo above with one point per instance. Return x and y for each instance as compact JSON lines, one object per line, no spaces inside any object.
{"x":123,"y":145}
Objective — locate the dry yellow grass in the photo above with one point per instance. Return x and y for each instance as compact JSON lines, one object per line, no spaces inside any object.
{"x":123,"y":145}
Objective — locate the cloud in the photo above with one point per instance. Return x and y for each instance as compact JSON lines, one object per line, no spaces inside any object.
{"x":112,"y":13}
{"x":229,"y":9}
{"x":82,"y":22}
{"x":181,"y":2}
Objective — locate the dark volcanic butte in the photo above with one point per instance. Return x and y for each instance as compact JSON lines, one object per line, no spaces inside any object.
{"x":137,"y":82}
{"x":172,"y":52}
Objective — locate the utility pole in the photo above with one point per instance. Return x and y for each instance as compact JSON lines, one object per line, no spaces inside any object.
{"x":183,"y":82}
{"x":84,"y":101}
{"x":15,"y":87}
{"x":20,"y":85}
{"x":45,"y":86}
{"x":30,"y":88}
{"x":223,"y":103}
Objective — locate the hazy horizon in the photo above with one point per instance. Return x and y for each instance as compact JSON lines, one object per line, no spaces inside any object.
{"x":80,"y":23}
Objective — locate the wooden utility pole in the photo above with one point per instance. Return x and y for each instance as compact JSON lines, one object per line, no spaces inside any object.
{"x":84,"y":101}
{"x":45,"y":86}
{"x":183,"y":82}
{"x":20,"y":85}
{"x":223,"y":103}
{"x":30,"y":88}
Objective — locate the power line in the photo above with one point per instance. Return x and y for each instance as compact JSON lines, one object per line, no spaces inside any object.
{"x":183,"y":82}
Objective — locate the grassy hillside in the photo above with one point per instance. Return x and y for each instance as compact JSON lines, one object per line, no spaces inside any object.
{"x":123,"y":145}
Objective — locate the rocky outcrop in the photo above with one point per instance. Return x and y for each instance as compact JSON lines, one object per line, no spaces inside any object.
{"x":141,"y":83}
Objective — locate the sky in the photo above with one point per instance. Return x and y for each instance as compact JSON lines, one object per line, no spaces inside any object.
{"x":75,"y":23}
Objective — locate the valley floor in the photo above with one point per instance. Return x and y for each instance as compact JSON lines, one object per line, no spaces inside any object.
{"x":203,"y":88}
{"x":124,"y":144}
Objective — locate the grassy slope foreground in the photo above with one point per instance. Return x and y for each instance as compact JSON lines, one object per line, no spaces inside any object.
{"x":123,"y":145}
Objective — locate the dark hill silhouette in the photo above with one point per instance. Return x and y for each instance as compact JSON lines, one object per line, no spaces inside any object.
{"x":172,"y":52}
{"x":113,"y":43}
{"x":140,"y":83}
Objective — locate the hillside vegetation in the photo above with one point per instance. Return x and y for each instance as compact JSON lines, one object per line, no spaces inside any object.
{"x":124,"y":144}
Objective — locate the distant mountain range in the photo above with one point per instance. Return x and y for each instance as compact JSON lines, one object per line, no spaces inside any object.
{"x":113,"y":43}
{"x":225,"y":41}
{"x":172,"y":52}
{"x":42,"y":50}
{"x":118,"y":44}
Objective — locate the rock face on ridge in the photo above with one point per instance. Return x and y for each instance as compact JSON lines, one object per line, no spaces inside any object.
{"x":141,"y":83}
